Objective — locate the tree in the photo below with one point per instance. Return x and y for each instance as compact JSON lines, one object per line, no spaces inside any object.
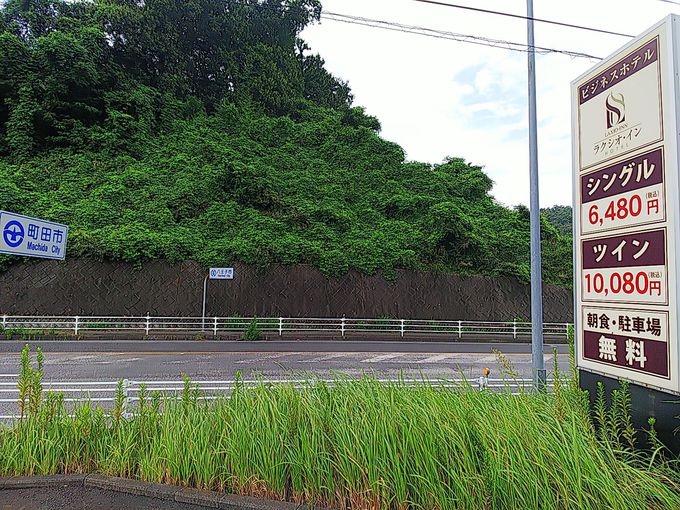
{"x":208,"y":130}
{"x":560,"y":217}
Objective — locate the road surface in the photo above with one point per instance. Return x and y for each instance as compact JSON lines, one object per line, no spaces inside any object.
{"x":109,"y":367}
{"x":218,"y":366}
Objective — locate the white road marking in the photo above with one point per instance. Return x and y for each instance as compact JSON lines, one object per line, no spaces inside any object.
{"x":438,"y":358}
{"x":326,"y":357}
{"x":265,"y":357}
{"x":487,"y":359}
{"x":378,"y":359}
{"x":122,"y":360}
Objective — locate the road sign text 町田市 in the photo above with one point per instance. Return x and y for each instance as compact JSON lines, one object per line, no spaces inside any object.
{"x":32,"y":237}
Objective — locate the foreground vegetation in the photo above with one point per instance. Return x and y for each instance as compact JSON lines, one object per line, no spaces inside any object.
{"x":208,"y":130}
{"x":357,"y":444}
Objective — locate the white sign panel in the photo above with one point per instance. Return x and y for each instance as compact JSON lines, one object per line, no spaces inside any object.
{"x":628,"y":193}
{"x":31,"y":237}
{"x":626,"y":212}
{"x":613,"y":120}
{"x":221,"y":273}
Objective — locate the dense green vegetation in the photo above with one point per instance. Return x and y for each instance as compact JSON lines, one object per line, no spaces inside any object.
{"x":353,"y":444}
{"x":560,"y":216}
{"x":207,"y":130}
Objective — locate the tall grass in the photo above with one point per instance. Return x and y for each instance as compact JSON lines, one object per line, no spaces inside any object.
{"x":357,"y":444}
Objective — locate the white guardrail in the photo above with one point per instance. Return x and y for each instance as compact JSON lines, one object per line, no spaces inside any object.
{"x":273,"y":325}
{"x":102,"y":393}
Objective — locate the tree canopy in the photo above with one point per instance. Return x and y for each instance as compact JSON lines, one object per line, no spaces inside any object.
{"x":208,"y":130}
{"x":561,"y":218}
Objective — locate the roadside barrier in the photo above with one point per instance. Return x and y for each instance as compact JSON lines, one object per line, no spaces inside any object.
{"x":215,"y":326}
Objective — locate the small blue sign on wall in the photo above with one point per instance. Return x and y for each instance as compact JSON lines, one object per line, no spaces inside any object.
{"x":221,"y":273}
{"x":31,"y":237}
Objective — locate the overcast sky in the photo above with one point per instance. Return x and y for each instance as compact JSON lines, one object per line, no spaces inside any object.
{"x":439,"y":98}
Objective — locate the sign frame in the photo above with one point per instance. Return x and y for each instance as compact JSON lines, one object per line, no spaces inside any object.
{"x":23,"y":222}
{"x":667,"y":35}
{"x":221,"y":273}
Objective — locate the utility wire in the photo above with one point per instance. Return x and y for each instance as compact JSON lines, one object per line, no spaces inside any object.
{"x":669,"y":2}
{"x":518,"y":16}
{"x":441,"y":34}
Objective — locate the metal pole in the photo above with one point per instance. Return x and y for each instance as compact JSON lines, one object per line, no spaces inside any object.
{"x":126,"y":400}
{"x":537,"y":360}
{"x":205,"y":287}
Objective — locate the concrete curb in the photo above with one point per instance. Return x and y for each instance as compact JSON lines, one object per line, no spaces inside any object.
{"x":232,"y":502}
{"x":136,"y":487}
{"x":30,"y":482}
{"x":206,"y":499}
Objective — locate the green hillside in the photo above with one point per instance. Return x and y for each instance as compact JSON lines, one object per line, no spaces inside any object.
{"x":560,"y":217}
{"x":207,"y":130}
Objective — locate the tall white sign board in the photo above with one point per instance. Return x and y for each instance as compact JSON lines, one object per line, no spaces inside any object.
{"x":626,"y":211}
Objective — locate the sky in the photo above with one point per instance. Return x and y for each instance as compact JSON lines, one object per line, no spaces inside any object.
{"x":439,"y":98}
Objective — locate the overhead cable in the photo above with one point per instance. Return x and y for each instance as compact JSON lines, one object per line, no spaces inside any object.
{"x":453,"y":36}
{"x":519,"y":16}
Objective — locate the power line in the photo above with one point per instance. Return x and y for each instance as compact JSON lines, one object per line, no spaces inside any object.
{"x":669,"y":2}
{"x":519,"y":16}
{"x":452,"y":36}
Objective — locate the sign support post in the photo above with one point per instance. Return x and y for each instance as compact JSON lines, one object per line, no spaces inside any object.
{"x":215,"y":273}
{"x":205,"y":288}
{"x":31,"y":237}
{"x":625,"y":120}
{"x":537,"y":358}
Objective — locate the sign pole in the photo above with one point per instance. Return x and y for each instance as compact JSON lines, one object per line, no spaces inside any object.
{"x":205,"y":288}
{"x":215,"y":273}
{"x":537,"y":360}
{"x":625,"y":118}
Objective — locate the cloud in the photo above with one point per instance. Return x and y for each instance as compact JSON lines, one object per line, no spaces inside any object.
{"x":440,"y":98}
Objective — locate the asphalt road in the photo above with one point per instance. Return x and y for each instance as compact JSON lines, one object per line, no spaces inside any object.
{"x":220,"y":366}
{"x":109,"y":367}
{"x":230,"y":346}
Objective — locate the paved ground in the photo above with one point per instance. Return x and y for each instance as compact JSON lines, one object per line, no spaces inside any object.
{"x":221,"y":366}
{"x":126,"y":344}
{"x":81,"y":498}
{"x":135,"y":366}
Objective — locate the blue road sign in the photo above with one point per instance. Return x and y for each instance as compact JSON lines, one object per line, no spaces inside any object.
{"x":13,"y":234}
{"x":221,"y":273}
{"x":31,"y":237}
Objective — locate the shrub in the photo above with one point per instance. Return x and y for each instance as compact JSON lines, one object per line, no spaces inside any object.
{"x":253,"y":333}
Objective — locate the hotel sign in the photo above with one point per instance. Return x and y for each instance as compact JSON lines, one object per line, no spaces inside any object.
{"x":626,"y":211}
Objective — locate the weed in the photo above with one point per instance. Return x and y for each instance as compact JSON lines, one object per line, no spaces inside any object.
{"x":253,"y":333}
{"x":351,"y":445}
